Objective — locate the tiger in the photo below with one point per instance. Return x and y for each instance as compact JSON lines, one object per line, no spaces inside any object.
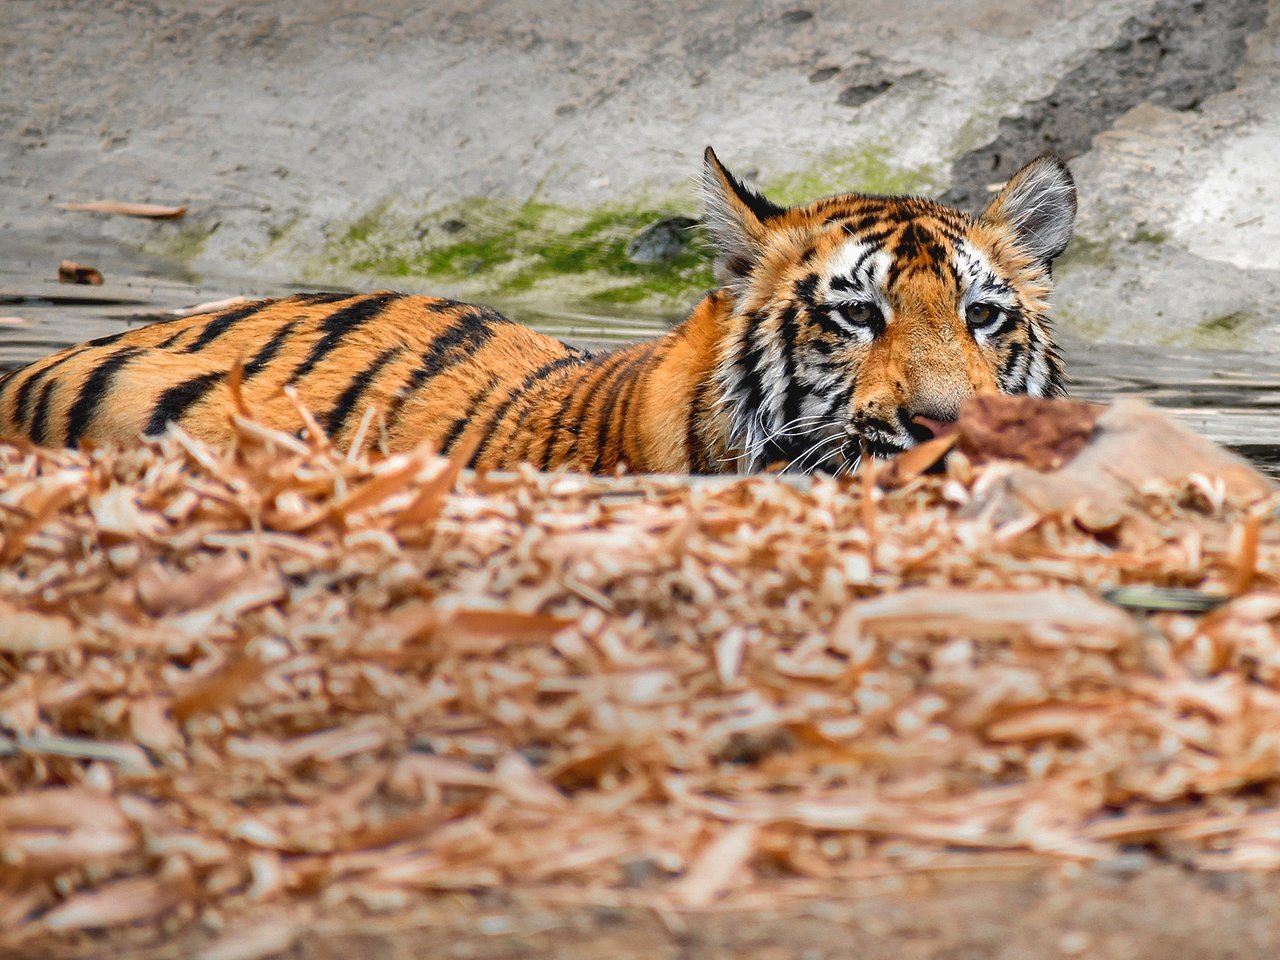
{"x":855,"y":325}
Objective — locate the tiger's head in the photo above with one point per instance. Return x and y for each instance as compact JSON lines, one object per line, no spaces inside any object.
{"x":861,"y":323}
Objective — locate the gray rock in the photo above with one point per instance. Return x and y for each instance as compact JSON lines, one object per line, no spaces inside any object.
{"x":661,"y":241}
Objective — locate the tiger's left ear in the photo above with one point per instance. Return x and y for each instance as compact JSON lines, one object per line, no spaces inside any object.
{"x":1039,"y":203}
{"x":735,"y":217}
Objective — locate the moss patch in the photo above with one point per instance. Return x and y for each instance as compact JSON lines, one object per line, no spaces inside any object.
{"x":512,"y":248}
{"x":1144,"y":235}
{"x":1086,"y":252}
{"x":867,"y":171}
{"x":181,"y":243}
{"x":1225,"y":330}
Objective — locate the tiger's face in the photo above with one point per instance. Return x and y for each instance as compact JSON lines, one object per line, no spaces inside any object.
{"x":860,"y":324}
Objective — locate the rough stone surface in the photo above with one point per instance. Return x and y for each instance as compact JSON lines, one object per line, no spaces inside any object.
{"x":283,"y":125}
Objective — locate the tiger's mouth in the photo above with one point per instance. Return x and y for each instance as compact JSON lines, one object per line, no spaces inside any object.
{"x":885,"y":440}
{"x":839,"y":450}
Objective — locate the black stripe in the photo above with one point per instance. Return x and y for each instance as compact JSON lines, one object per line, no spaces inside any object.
{"x":456,"y":428}
{"x":337,"y":417}
{"x":695,"y":452}
{"x":337,"y":325}
{"x":108,"y":340}
{"x":658,"y":349}
{"x":269,"y":350}
{"x":309,"y":299}
{"x":516,"y":393}
{"x":460,"y":340}
{"x":40,"y":419}
{"x":606,"y":413}
{"x":1011,"y":319}
{"x":875,"y":238}
{"x":829,"y":324}
{"x":170,"y":340}
{"x":441,"y":304}
{"x":176,"y":401}
{"x":95,"y":388}
{"x":24,"y":391}
{"x":222,"y":323}
{"x":1010,"y":364}
{"x":750,"y":364}
{"x":763,"y":208}
{"x":566,"y":402}
{"x":788,"y":330}
{"x":605,"y":376}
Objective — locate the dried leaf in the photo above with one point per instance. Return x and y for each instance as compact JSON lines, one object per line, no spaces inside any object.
{"x":71,"y":272}
{"x":154,"y":211}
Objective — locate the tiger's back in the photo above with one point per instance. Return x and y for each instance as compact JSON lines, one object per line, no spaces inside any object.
{"x":426,"y":364}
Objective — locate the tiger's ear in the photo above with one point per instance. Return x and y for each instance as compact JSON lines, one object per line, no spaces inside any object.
{"x":735,"y":217}
{"x":1039,"y":203}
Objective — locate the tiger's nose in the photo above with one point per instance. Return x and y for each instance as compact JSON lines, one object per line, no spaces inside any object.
{"x":923,"y":427}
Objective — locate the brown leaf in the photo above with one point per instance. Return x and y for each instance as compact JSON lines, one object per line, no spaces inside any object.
{"x":1043,"y":434}
{"x":153,"y":211}
{"x":71,"y":272}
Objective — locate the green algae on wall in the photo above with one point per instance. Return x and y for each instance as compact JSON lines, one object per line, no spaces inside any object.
{"x":178,"y":243}
{"x":1086,"y":251}
{"x":869,"y":170}
{"x":511,"y":248}
{"x":1226,"y":330}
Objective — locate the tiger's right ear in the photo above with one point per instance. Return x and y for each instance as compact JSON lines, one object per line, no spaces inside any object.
{"x":735,"y":217}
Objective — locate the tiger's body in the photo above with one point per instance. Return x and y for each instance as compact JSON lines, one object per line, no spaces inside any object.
{"x":852,"y":324}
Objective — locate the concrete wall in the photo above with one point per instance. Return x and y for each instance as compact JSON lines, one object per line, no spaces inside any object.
{"x":366,"y":142}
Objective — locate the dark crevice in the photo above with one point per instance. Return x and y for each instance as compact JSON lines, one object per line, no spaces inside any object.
{"x":1174,"y":56}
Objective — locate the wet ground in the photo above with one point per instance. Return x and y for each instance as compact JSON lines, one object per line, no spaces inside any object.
{"x":1233,"y":397}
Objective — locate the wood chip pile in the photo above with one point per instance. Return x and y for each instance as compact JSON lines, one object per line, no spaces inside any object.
{"x":280,"y":678}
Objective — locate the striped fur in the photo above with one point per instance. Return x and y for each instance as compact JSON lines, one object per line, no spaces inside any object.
{"x":854,"y":323}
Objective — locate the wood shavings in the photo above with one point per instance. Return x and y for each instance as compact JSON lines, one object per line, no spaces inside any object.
{"x":239,"y":686}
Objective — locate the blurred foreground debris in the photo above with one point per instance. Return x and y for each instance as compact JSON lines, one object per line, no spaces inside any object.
{"x":241,"y":687}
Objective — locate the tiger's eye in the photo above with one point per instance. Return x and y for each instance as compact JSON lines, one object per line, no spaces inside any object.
{"x":859,"y":314}
{"x":982,"y":315}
